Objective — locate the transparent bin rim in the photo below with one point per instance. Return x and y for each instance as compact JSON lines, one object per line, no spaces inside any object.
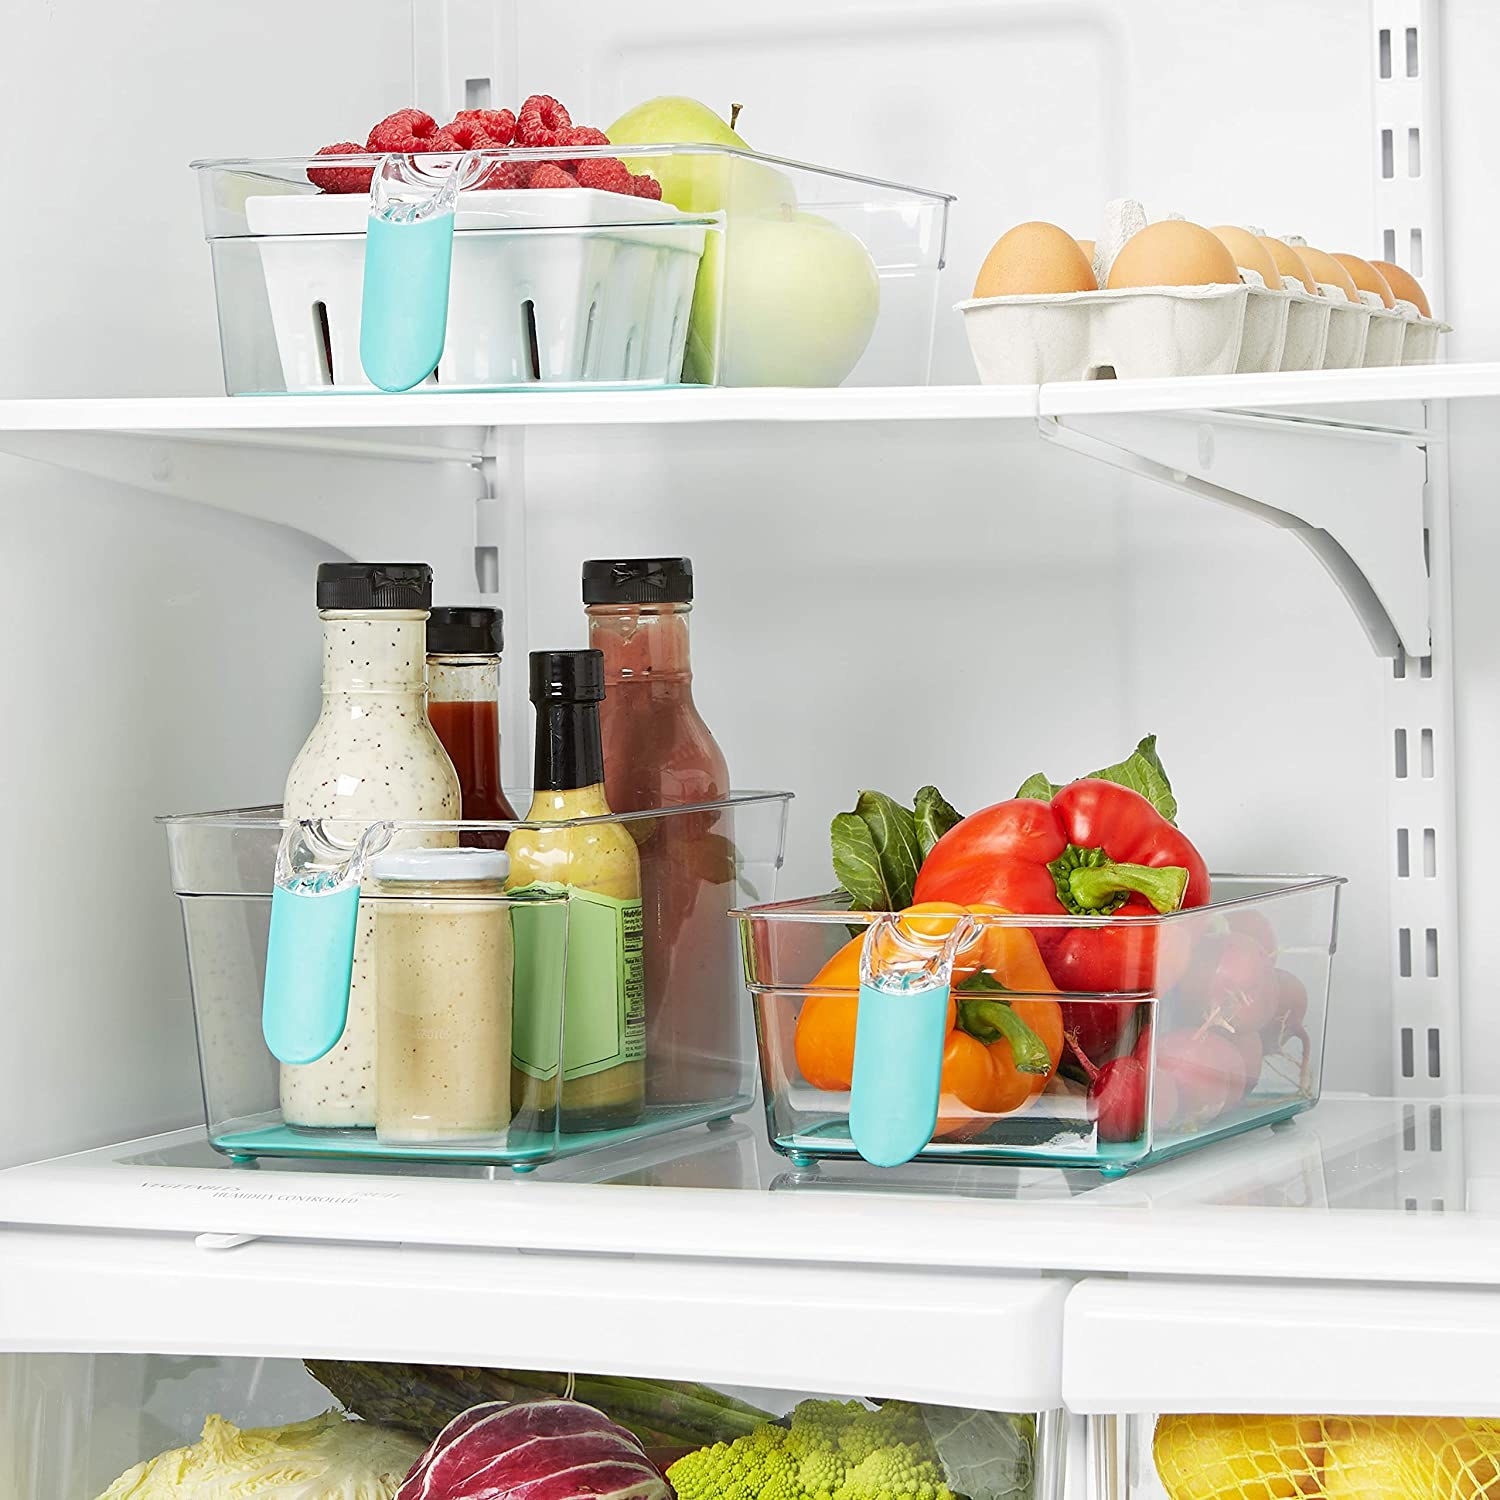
{"x":279,"y":166}
{"x":834,"y":909}
{"x":268,"y":819}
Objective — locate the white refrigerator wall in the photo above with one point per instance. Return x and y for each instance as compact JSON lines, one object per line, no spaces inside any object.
{"x":879,"y":606}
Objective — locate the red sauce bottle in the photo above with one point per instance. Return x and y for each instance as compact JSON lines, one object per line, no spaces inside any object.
{"x":658,"y":752}
{"x":463,"y":703}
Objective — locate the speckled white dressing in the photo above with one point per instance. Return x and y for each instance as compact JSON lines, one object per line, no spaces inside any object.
{"x":372,"y":755}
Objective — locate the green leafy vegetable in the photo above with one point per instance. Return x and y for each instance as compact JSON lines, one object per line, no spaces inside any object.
{"x":934,"y":816}
{"x":985,"y":1455}
{"x":876,"y":853}
{"x":1036,"y":785}
{"x":327,"y":1458}
{"x":1141,"y":771}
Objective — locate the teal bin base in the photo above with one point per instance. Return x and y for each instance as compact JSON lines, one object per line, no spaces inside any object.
{"x":520,"y":1149}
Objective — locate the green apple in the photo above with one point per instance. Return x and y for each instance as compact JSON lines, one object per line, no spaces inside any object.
{"x":800,"y":299}
{"x":705,"y":183}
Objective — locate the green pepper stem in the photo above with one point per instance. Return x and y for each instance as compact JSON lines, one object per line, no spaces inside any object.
{"x":989,"y":1020}
{"x":1093,"y":886}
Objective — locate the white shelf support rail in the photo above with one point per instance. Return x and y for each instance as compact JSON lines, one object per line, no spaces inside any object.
{"x":1422,"y":821}
{"x":500,"y":566}
{"x":1354,"y":497}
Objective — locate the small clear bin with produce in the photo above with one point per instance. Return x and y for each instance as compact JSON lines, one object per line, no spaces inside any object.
{"x":749,"y":270}
{"x":1221,"y":1029}
{"x":412,"y":992}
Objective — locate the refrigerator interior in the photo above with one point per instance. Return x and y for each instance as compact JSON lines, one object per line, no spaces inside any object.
{"x":1056,"y":609}
{"x":880,"y":604}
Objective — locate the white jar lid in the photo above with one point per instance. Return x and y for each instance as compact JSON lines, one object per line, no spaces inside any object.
{"x":431,"y":865}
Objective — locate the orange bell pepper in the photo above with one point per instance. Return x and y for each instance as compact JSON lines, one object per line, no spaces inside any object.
{"x":998,"y":977}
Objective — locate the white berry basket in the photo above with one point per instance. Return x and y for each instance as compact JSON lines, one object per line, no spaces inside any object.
{"x":556,"y":286}
{"x":559,"y":287}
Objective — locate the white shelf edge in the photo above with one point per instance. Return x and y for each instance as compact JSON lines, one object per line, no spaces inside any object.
{"x":435,"y":410}
{"x":1169,"y":1221}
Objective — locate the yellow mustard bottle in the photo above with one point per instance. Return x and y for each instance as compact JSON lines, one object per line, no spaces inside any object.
{"x":603,"y":1056}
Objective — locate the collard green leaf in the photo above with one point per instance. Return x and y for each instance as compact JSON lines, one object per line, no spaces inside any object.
{"x":893,"y":831}
{"x":986,"y":1455}
{"x":856,"y":863}
{"x":1142,"y":772}
{"x":1036,"y":785}
{"x":934,"y":816}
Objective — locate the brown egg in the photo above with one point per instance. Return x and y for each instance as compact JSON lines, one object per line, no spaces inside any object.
{"x":1289,"y":263}
{"x":1248,"y":252}
{"x":1367,"y":278}
{"x":1034,"y":259}
{"x":1174,"y":253}
{"x":1327,"y":270}
{"x":1089,"y":248}
{"x":1405,"y":286}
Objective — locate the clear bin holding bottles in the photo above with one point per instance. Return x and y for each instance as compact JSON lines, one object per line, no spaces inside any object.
{"x":502,"y":948}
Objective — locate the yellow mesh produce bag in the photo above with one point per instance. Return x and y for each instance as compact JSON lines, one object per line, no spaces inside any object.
{"x":1218,"y":1457}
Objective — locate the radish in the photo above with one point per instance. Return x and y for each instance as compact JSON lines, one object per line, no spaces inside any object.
{"x":1256,"y":926}
{"x":1117,"y":1093}
{"x":1117,"y":1100}
{"x":1252,"y":1053}
{"x":1291,"y":1000}
{"x":1233,"y":980}
{"x":1206,"y":1068}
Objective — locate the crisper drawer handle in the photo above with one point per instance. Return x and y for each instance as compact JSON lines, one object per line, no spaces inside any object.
{"x":904,"y":983}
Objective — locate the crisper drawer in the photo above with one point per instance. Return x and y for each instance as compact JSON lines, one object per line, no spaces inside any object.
{"x":116,"y":1349}
{"x":1197,"y":1389}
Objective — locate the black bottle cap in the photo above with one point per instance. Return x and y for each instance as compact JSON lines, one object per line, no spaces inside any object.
{"x":567,"y":677}
{"x":357,"y":585}
{"x":638,"y":580}
{"x":465,"y":630}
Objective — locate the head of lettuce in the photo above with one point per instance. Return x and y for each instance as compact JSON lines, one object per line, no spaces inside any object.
{"x":328,"y":1458}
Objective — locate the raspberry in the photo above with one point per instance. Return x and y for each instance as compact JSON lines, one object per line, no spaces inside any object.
{"x":607,"y":173}
{"x":402,"y":132}
{"x":440,"y":140}
{"x":341,"y":179}
{"x":550,"y":175}
{"x":506,"y":175}
{"x":471,"y":135}
{"x":498,"y":124}
{"x":645,"y":186}
{"x":541,"y":121}
{"x":582,"y":135}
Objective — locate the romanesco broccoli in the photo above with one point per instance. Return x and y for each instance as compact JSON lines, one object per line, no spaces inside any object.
{"x":833,"y":1450}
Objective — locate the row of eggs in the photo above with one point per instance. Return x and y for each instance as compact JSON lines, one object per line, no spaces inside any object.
{"x":1040,"y":259}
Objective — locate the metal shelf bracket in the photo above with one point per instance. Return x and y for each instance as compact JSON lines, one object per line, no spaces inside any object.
{"x":1352,"y":495}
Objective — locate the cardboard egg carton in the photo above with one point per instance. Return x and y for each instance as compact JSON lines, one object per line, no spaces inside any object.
{"x":1139,"y":333}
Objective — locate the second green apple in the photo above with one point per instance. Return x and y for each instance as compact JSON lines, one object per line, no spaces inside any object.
{"x":799,"y":296}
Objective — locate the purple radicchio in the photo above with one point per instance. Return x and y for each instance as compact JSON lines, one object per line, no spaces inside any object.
{"x":534,"y":1450}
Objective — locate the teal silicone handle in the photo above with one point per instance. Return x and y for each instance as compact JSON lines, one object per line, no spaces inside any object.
{"x":898,"y":1070}
{"x":309,"y":963}
{"x":404,"y":313}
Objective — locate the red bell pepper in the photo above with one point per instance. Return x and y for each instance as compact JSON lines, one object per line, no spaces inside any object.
{"x":1095,"y":850}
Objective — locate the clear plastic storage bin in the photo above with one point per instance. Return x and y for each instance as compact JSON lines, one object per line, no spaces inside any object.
{"x":752,"y":271}
{"x":471,"y":982}
{"x":1185,"y":1456}
{"x":1224,"y":1034}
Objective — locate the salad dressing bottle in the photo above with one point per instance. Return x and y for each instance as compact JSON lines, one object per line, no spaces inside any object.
{"x":371,"y":756}
{"x":602,"y":1069}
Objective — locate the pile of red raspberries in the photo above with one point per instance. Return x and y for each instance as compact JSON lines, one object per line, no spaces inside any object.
{"x":541,"y":122}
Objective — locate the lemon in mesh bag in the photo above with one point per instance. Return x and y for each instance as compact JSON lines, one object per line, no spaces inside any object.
{"x":1221,"y":1457}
